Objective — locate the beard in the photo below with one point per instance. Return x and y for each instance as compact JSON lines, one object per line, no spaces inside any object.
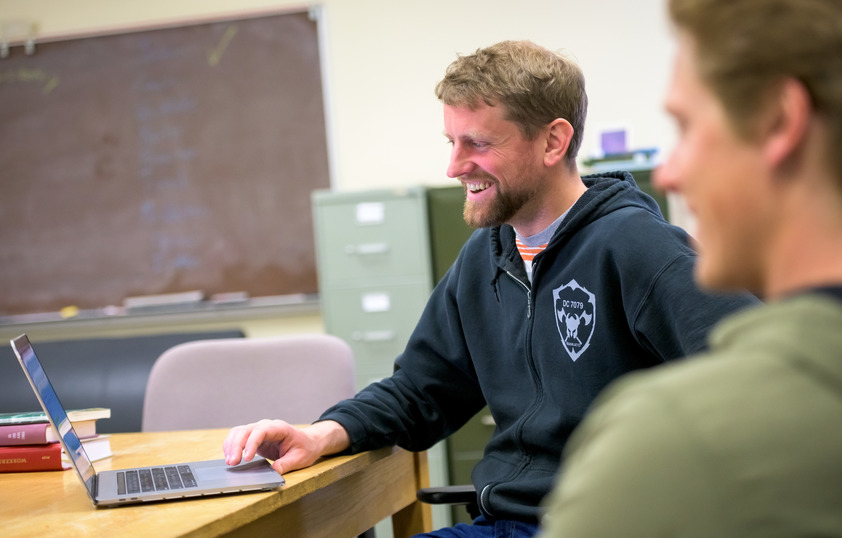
{"x":497,"y":211}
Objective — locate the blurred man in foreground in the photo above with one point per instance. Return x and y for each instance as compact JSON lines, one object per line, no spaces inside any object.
{"x":746,"y":441}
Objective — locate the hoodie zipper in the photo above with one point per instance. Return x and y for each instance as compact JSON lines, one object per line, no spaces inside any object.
{"x":486,"y":490}
{"x":528,"y":291}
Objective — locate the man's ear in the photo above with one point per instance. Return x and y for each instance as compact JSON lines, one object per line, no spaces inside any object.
{"x":787,"y":119}
{"x":558,"y":138}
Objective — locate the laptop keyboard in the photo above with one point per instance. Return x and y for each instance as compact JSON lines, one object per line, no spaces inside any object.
{"x":155,"y":479}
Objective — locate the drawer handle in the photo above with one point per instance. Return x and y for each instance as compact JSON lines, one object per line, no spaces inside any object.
{"x":367,"y":248}
{"x":373,"y":336}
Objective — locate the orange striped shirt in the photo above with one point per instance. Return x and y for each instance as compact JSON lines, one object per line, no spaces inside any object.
{"x":528,"y":253}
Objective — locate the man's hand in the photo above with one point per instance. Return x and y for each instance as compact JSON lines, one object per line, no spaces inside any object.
{"x":291,"y":447}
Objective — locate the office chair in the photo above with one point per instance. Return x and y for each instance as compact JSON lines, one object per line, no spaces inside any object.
{"x":226,"y":382}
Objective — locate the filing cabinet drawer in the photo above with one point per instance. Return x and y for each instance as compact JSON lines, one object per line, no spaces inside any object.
{"x":380,"y":318}
{"x":372,"y":238}
{"x":376,"y":322}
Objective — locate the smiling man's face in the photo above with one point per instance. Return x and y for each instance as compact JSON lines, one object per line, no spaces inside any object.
{"x":503,"y":173}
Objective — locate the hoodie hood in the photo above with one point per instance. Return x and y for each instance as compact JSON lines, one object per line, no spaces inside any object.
{"x":607,"y":192}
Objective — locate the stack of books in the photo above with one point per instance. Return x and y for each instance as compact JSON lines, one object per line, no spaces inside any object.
{"x":29,"y":443}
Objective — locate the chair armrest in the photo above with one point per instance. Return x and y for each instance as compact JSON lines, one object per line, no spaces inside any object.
{"x":464,"y":494}
{"x":448,"y":495}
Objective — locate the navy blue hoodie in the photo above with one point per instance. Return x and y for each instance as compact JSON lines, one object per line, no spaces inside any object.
{"x":612,"y":292}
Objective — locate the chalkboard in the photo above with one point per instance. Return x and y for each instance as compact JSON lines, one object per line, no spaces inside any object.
{"x":161,"y":161}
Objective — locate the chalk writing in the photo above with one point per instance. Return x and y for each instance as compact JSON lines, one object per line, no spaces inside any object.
{"x":164,"y":159}
{"x":28,"y":75}
{"x":215,"y":54}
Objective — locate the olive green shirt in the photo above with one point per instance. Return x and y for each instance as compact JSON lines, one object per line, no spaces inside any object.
{"x":743,"y":441}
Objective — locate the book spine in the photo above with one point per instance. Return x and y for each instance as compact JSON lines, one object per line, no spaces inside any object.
{"x":15,"y":459}
{"x":23,"y":434}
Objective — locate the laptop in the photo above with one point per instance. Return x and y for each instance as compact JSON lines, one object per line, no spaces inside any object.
{"x":141,"y":484}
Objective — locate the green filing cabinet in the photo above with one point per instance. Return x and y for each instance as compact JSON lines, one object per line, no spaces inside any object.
{"x":379,"y":254}
{"x":373,"y":252}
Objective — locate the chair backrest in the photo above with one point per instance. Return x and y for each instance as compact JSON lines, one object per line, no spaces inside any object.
{"x":226,"y":382}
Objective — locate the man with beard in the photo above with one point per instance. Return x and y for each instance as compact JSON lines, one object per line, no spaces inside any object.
{"x":568,"y":283}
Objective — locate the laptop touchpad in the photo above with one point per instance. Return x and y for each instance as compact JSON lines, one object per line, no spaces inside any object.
{"x":247,"y":471}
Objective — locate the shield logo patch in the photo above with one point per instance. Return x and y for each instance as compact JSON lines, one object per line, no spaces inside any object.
{"x":575,"y":315}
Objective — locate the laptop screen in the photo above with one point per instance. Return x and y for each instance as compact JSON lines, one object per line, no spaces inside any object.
{"x":54,"y":410}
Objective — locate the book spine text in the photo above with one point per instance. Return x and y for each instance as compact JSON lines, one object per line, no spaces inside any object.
{"x":31,"y":458}
{"x":23,"y":434}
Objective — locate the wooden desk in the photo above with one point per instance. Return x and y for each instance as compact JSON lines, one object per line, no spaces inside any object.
{"x":337,"y":497}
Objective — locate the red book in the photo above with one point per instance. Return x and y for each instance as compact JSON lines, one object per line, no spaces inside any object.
{"x":14,"y":459}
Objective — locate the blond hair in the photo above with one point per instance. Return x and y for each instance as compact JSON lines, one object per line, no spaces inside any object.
{"x":534,"y":84}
